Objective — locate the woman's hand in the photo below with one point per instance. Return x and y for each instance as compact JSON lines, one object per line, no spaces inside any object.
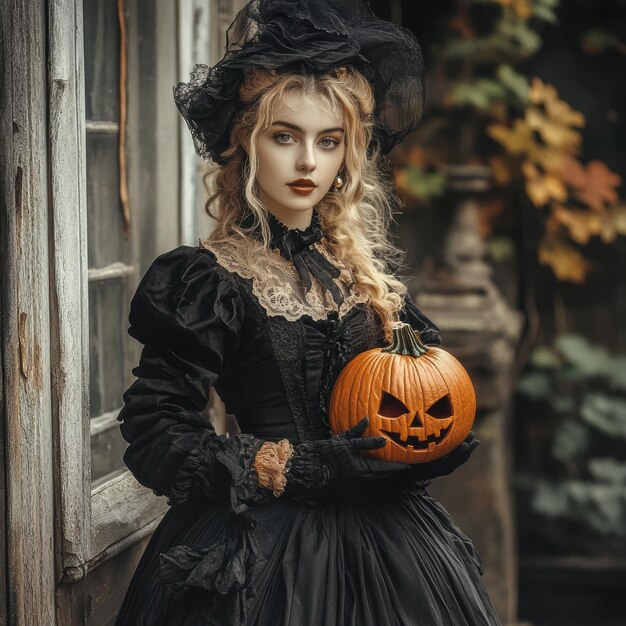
{"x":317,"y":464}
{"x":446,"y":464}
{"x":341,"y":455}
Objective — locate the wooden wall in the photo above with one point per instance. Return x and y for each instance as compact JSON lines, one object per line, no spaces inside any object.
{"x":25,"y":315}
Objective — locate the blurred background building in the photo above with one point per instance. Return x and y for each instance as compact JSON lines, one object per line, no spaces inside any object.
{"x":514,"y":220}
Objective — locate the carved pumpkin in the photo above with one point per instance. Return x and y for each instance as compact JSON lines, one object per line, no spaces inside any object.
{"x":419,"y":397}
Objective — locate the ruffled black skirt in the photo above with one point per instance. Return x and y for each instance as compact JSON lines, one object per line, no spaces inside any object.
{"x":378,"y":559}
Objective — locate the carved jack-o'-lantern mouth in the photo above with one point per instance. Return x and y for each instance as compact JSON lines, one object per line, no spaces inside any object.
{"x":415,"y":441}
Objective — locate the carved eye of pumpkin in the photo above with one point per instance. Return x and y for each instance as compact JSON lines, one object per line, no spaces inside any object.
{"x":441,"y":409}
{"x":390,"y":406}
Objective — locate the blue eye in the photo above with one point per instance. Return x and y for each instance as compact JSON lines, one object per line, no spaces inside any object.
{"x":282,"y":137}
{"x":329,"y":143}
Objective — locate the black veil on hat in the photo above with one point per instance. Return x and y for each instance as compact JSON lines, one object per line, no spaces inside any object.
{"x":307,"y":36}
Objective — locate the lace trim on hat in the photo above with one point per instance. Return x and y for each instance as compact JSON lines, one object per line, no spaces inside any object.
{"x":278,"y":286}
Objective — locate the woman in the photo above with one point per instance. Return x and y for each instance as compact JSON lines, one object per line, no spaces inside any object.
{"x":284,"y":524}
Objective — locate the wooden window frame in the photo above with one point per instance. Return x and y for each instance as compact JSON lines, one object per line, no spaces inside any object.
{"x":94,"y":523}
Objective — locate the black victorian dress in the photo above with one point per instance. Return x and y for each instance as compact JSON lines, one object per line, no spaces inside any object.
{"x":381,"y":553}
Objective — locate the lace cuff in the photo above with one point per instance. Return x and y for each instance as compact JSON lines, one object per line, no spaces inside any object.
{"x":270,"y":462}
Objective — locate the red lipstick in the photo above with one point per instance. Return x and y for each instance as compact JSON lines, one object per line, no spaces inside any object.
{"x":302,"y":186}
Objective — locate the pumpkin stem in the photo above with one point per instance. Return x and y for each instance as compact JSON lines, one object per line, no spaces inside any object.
{"x":406,"y":341}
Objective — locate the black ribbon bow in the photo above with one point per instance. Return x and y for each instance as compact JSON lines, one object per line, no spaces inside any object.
{"x":296,"y":245}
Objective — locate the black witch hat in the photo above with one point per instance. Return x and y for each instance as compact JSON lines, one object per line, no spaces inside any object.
{"x":308,"y":36}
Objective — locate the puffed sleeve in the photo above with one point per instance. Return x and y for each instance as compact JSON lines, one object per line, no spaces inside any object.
{"x":187,"y":312}
{"x":410,"y":314}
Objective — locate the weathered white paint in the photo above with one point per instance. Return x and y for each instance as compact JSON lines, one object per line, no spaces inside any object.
{"x":119,"y":508}
{"x":114,"y":270}
{"x":105,"y":128}
{"x":25,"y":315}
{"x":69,"y":313}
{"x":115,"y":549}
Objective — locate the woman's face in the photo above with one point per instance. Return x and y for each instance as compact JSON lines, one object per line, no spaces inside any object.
{"x":299,"y":156}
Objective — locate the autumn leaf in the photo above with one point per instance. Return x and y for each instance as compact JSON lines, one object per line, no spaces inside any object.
{"x":613,"y":224}
{"x":546,"y":95}
{"x":545,"y":10}
{"x":542,"y":188}
{"x":515,"y":37}
{"x":479,"y":93}
{"x":517,"y":139}
{"x":553,"y":132}
{"x":566,"y":261}
{"x":549,"y":159}
{"x":560,"y":110}
{"x":554,"y":119}
{"x":547,"y":133}
{"x":581,"y":225}
{"x":594,"y":185}
{"x":514,"y":81}
{"x":574,"y":173}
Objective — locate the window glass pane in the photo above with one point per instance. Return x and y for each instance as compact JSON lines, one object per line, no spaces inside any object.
{"x":108,"y":344}
{"x":102,"y":50}
{"x":107,"y":448}
{"x":110,"y":352}
{"x":106,"y":241}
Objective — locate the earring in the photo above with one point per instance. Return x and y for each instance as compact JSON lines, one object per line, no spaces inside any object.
{"x":337,"y":184}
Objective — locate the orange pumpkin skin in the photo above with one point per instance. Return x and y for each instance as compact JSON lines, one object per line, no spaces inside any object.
{"x":420,"y":398}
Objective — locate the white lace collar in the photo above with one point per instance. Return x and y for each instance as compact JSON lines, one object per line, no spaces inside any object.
{"x":278,"y":286}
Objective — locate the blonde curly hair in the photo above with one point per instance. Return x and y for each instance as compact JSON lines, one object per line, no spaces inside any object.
{"x":355,"y":221}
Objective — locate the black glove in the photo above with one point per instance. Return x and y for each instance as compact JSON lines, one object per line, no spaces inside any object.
{"x":317,"y":464}
{"x":445,"y":465}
